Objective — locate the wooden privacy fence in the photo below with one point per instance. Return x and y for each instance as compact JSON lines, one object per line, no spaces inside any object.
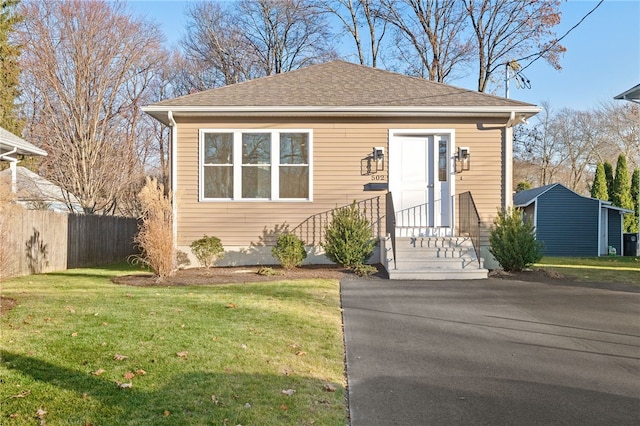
{"x":43,"y":241}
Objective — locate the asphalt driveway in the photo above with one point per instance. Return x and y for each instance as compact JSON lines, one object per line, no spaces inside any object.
{"x":490,"y":352}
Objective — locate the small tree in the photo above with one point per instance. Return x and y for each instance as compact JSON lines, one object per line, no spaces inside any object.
{"x":289,"y":250}
{"x":513,"y":241}
{"x":608,"y":174}
{"x":622,"y":191}
{"x":523,"y":186}
{"x":155,"y":236}
{"x":207,"y":250}
{"x":635,"y":196}
{"x":348,"y":238}
{"x":599,"y":187}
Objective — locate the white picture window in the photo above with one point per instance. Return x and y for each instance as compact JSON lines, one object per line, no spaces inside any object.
{"x":255,"y":165}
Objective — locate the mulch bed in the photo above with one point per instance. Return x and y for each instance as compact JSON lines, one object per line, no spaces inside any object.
{"x":240,"y":274}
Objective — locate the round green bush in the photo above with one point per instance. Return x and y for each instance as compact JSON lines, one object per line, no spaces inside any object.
{"x":207,"y":250}
{"x":289,"y":250}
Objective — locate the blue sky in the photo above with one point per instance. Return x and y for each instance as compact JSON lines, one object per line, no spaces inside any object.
{"x":602,"y":58}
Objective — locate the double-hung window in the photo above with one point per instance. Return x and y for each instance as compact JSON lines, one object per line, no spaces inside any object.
{"x":255,"y":165}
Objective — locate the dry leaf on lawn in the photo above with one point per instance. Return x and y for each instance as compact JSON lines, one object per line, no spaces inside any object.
{"x":129,"y":375}
{"x":231,"y":305}
{"x":182,"y":354}
{"x":41,"y":413}
{"x":329,"y":387}
{"x":125,"y":385}
{"x":140,"y":372}
{"x":74,"y":334}
{"x":98,"y":372}
{"x":288,"y":392}
{"x":119,"y":357}
{"x":283,"y":407}
{"x":22,"y":394}
{"x":301,"y":353}
{"x":166,"y":413}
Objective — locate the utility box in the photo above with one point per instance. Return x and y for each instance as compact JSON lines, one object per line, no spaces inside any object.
{"x":630,"y":244}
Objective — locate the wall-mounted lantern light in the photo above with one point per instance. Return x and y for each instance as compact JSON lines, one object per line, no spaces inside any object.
{"x":378,"y":158}
{"x":463,"y":159}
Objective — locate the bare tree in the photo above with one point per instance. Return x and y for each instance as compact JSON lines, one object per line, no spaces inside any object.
{"x":430,"y":35}
{"x":216,"y":46}
{"x":361,"y":14}
{"x":620,"y":122}
{"x":509,"y":29}
{"x":284,"y":35}
{"x":538,"y":146}
{"x":88,"y":67}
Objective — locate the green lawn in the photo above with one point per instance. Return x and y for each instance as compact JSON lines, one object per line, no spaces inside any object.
{"x":606,"y":269}
{"x":191,"y":355}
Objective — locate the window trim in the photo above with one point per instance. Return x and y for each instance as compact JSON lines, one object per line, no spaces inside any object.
{"x":237,"y":164}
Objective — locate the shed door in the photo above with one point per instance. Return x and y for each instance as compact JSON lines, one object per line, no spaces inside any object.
{"x":604,"y":232}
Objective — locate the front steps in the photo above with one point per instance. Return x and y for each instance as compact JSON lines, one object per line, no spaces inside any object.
{"x":434,"y":258}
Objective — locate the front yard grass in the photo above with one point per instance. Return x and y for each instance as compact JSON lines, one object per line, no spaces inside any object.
{"x":78,"y":349}
{"x":606,"y":269}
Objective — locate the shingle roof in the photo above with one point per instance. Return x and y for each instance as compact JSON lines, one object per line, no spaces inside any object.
{"x":526,"y":197}
{"x":339,"y":83}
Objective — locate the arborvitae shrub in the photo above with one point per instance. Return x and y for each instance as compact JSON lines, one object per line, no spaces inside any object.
{"x":513,"y":241}
{"x":348,"y":238}
{"x":207,"y":250}
{"x":289,"y":250}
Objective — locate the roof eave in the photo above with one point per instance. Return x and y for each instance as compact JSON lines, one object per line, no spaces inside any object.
{"x":632,"y":94}
{"x":160,"y":113}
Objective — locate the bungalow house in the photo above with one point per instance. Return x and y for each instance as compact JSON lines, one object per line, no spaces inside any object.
{"x":11,"y":146}
{"x":428,"y":163}
{"x":570,"y":224}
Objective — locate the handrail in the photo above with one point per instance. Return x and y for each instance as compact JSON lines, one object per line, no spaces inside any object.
{"x":391,"y":225}
{"x":312,"y":229}
{"x":470,"y":221}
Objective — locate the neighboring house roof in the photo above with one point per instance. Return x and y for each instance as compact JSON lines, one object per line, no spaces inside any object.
{"x":528,"y":196}
{"x":10,"y":143}
{"x":37,"y":192}
{"x":525,"y":198}
{"x":340,"y":87}
{"x":632,"y":94}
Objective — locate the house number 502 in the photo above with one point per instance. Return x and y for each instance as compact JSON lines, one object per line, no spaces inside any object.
{"x":378,"y":177}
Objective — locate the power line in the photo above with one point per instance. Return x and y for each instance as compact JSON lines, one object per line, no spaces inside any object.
{"x":539,"y":54}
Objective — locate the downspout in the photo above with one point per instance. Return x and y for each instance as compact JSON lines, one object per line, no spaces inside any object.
{"x":508,"y":161}
{"x":13,"y":162}
{"x":174,"y":181}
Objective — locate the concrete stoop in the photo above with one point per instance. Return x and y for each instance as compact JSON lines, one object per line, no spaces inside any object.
{"x":436,"y":258}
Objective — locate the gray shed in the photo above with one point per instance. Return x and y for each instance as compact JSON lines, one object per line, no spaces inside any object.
{"x":570,"y":224}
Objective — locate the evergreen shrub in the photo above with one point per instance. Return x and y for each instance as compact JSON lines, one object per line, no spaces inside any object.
{"x":207,"y":250}
{"x":348,"y":238}
{"x":289,"y":250}
{"x":513,"y":242}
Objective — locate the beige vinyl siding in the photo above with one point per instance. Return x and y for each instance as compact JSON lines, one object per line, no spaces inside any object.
{"x":339,"y":146}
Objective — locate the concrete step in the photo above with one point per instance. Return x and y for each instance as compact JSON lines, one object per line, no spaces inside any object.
{"x":436,"y":258}
{"x":437,"y":263}
{"x":438,"y":274}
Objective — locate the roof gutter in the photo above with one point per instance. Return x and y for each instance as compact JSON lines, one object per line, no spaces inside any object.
{"x":6,"y":155}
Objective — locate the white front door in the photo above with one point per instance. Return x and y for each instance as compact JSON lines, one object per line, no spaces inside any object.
{"x":420,"y":183}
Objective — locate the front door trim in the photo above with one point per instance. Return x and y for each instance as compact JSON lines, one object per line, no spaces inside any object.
{"x":395,"y":134}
